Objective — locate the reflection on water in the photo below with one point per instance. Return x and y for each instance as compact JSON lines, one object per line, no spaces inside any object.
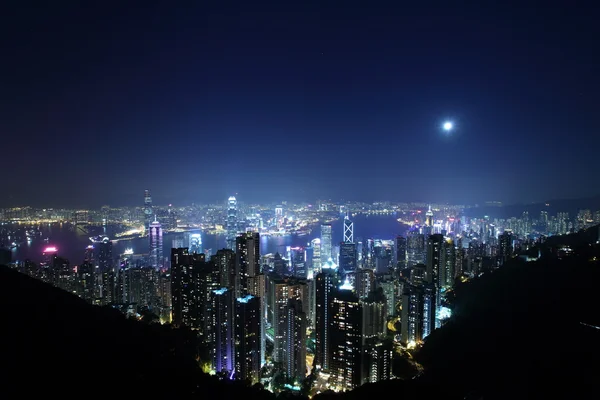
{"x":71,"y":240}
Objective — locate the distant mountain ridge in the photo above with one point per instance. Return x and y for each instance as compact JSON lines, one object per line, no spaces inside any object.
{"x":572,"y":206}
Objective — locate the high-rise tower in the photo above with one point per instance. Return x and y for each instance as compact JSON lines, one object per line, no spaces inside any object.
{"x":325,"y":243}
{"x":247,"y":263}
{"x":232,"y":223}
{"x":156,"y":244}
{"x":147,"y":209}
{"x":348,"y":230}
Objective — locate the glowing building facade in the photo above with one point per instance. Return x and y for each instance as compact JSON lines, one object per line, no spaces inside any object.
{"x":156,"y":245}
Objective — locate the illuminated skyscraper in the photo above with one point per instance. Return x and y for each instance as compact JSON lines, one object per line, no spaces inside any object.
{"x":222,"y":336}
{"x":147,"y":209}
{"x":186,"y":301}
{"x":232,"y":222}
{"x":347,"y":257}
{"x":415,"y":248}
{"x":325,"y":243}
{"x":195,"y":243}
{"x":281,"y":291}
{"x":348,"y":230}
{"x":156,"y":245}
{"x":346,"y":339}
{"x":295,"y":341}
{"x":248,"y":338}
{"x":429,"y":217}
{"x":325,"y":284}
{"x":505,"y":250}
{"x":316,"y":257}
{"x":247,"y":263}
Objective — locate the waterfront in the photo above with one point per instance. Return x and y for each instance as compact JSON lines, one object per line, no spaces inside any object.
{"x":71,"y":241}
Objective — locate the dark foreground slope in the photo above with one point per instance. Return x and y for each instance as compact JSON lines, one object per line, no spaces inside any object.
{"x":55,"y":344}
{"x":524,"y":331}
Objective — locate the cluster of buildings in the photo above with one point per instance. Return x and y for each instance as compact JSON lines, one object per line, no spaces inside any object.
{"x":336,"y":309}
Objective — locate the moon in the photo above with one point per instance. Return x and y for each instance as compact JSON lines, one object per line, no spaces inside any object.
{"x":448,"y":126}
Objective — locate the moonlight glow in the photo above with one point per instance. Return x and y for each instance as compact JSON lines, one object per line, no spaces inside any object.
{"x":448,"y":126}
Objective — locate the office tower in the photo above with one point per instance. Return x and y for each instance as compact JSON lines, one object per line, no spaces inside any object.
{"x":294,"y":358}
{"x":147,"y":209}
{"x":86,"y":280}
{"x":232,"y":222}
{"x":429,"y":218}
{"x":247,"y":263}
{"x":418,"y":313}
{"x":448,"y":270}
{"x":222,"y":336}
{"x":325,"y":284}
{"x":388,"y":286}
{"x":281,"y":291}
{"x":185,"y":290}
{"x":374,"y":316}
{"x":225,"y":264}
{"x":505,"y":250}
{"x":312,"y":302}
{"x":164,"y":296}
{"x":156,"y":245}
{"x":346,"y":340}
{"x":415,"y":248}
{"x":348,"y":257}
{"x":316,"y":259}
{"x":104,"y":254}
{"x":108,"y":287}
{"x":348,"y":230}
{"x":298,"y":261}
{"x":248,"y":338}
{"x":400,"y":252}
{"x":195,"y":243}
{"x":435,"y":246}
{"x":326,"y":249}
{"x":364,"y":282}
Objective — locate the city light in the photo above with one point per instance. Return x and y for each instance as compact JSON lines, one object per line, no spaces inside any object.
{"x":50,"y":249}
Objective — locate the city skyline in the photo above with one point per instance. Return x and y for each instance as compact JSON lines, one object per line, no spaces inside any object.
{"x":297,"y":101}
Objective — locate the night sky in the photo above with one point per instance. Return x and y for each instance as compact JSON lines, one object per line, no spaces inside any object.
{"x":298,"y":100}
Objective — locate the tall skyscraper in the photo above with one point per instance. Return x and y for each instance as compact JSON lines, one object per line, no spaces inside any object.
{"x":225,"y":264}
{"x":281,"y":291}
{"x":147,"y":209}
{"x":348,"y":230}
{"x":187,"y":302}
{"x":232,"y":222}
{"x":316,"y":256}
{"x":248,"y":358}
{"x":156,"y":245}
{"x":325,"y":284}
{"x":401,"y":252}
{"x":505,"y":250}
{"x":247,"y":263}
{"x":346,"y":339}
{"x":326,"y":249}
{"x":348,"y":257}
{"x":429,"y":217}
{"x":222,"y":336}
{"x":195,"y":243}
{"x":295,"y":341}
{"x":415,"y":248}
